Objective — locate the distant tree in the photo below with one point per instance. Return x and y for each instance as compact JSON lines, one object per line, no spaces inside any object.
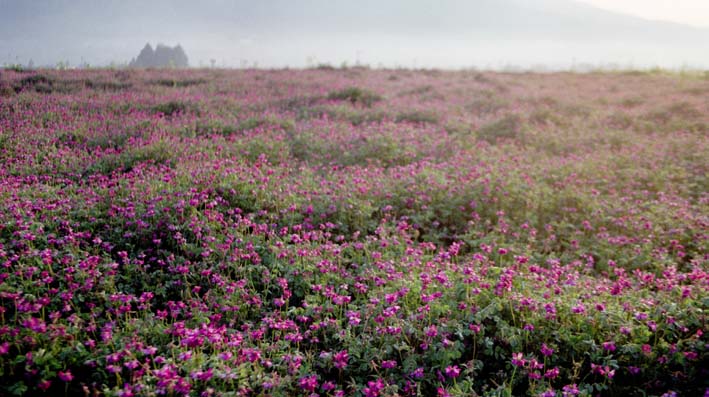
{"x":163,"y":56}
{"x":146,"y":58}
{"x":180,"y":57}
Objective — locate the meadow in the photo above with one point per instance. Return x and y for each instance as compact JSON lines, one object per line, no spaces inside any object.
{"x":353,"y":232}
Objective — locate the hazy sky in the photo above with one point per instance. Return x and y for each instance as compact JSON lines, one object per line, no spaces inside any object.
{"x":690,"y":12}
{"x":553,"y":34}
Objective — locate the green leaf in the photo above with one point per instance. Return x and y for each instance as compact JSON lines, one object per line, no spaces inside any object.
{"x":18,"y":389}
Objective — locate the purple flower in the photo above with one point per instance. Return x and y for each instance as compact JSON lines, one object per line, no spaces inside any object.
{"x":552,"y":373}
{"x":646,"y":349}
{"x":388,"y":364}
{"x":452,"y":371}
{"x":65,"y":376}
{"x":417,"y":373}
{"x":373,"y":388}
{"x":652,"y":326}
{"x":518,"y":359}
{"x":308,"y":383}
{"x":340,"y":359}
{"x":570,"y":390}
{"x":44,"y":385}
{"x":441,"y":392}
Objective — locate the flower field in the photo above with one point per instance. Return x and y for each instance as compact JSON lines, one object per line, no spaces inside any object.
{"x":353,"y":232}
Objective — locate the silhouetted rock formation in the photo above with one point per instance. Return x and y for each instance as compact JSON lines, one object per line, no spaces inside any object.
{"x":162,"y":57}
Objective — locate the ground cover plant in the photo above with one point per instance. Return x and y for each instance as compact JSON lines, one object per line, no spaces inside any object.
{"x":353,"y":232}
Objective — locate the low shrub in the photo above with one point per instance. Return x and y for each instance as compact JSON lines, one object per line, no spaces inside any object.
{"x":508,"y":127}
{"x":155,"y":154}
{"x":355,"y":95}
{"x":173,"y":108}
{"x":417,"y":117}
{"x":178,"y":83}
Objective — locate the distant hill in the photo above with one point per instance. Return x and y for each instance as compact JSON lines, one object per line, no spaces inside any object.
{"x":278,"y":32}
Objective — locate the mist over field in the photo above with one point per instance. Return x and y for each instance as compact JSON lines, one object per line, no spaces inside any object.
{"x":490,"y":34}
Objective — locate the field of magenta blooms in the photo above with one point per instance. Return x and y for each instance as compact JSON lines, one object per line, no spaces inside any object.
{"x":352,"y":232}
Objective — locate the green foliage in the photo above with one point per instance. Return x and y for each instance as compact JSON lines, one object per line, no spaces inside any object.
{"x":356,"y":95}
{"x":632,"y":102}
{"x":204,"y":128}
{"x":15,"y":67}
{"x":251,"y":150}
{"x":548,"y":116}
{"x":107,"y":85}
{"x":508,"y":127}
{"x":620,"y":120}
{"x":417,"y":117}
{"x":355,"y":116}
{"x":256,"y":122}
{"x":381,"y":150}
{"x":36,"y":82}
{"x":297,"y":104}
{"x":217,"y":127}
{"x":36,"y":79}
{"x":682,"y":110}
{"x":156,"y":154}
{"x":5,"y":142}
{"x":173,"y":108}
{"x":178,"y":83}
{"x":325,"y":66}
{"x":487,"y":103}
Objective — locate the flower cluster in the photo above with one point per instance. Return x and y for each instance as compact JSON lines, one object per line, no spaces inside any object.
{"x":352,"y":232}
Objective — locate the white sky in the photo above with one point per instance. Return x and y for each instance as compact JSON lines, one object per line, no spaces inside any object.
{"x":690,"y":12}
{"x":278,"y":33}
